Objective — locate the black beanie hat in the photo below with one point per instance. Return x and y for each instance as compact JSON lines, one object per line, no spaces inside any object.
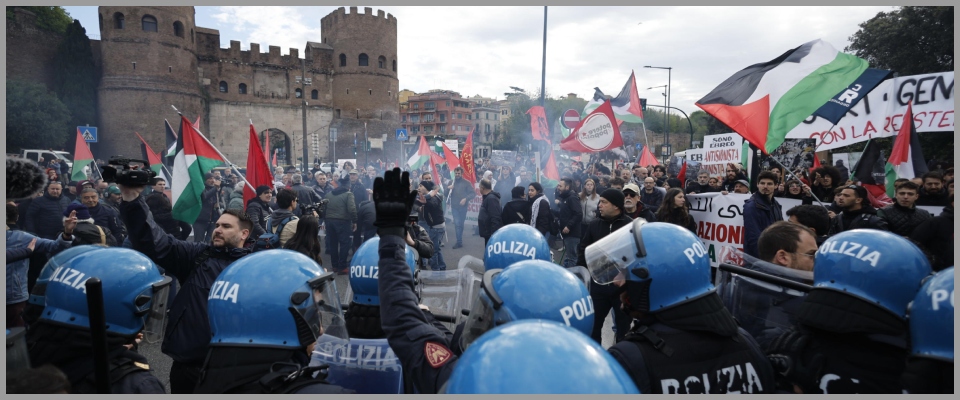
{"x":262,"y":189}
{"x":615,"y":197}
{"x":427,"y":184}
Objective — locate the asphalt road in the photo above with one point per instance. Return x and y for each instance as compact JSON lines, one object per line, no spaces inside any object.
{"x":473,"y":246}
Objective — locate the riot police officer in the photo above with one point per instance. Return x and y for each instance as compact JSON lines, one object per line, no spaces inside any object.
{"x":683,"y":340}
{"x":134,"y":300}
{"x":266,"y":312}
{"x":930,"y":364}
{"x":538,"y":356}
{"x":851,"y":335}
{"x":512,"y":243}
{"x":527,"y":289}
{"x":35,"y":304}
{"x":363,"y":313}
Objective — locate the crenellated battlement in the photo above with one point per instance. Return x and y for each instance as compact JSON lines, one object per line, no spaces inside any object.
{"x":341,"y":15}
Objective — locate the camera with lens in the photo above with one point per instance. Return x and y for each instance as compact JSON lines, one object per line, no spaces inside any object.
{"x":120,"y":170}
{"x":320,"y":208}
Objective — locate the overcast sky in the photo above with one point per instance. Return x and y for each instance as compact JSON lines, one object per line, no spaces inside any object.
{"x":485,"y":50}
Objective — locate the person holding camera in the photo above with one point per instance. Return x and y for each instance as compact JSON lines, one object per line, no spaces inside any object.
{"x":288,"y":202}
{"x":418,"y":238}
{"x":305,"y":195}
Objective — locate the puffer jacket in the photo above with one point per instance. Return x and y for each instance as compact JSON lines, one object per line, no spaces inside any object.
{"x":901,"y":220}
{"x":45,"y":216}
{"x":341,"y":205}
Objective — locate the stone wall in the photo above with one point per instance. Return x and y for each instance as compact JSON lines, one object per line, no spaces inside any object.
{"x":30,"y":50}
{"x":230,"y":127}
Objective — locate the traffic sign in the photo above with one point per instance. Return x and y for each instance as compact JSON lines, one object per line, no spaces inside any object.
{"x":89,"y":133}
{"x":571,"y":118}
{"x":402,"y":135}
{"x":639,"y":146}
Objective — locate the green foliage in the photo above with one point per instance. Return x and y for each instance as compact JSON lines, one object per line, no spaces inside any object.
{"x":909,"y":41}
{"x":76,"y":76}
{"x":53,"y":18}
{"x":35,"y":117}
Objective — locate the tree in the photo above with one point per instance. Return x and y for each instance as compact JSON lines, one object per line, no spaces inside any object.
{"x":909,"y":41}
{"x":35,"y":117}
{"x":76,"y":78}
{"x":53,"y":18}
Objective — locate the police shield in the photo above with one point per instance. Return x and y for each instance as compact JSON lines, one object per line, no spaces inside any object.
{"x":583,"y":274}
{"x":17,"y":357}
{"x":364,"y":365}
{"x":763,"y":297}
{"x":447,"y":293}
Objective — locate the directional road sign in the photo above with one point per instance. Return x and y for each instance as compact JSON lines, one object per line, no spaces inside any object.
{"x":571,"y":118}
{"x":89,"y":133}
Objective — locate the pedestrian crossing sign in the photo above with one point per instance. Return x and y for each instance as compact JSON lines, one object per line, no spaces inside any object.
{"x":89,"y":133}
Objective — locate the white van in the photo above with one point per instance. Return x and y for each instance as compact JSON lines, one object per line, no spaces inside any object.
{"x":35,"y":154}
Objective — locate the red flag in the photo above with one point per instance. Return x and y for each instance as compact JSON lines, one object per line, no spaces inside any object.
{"x":266,"y":148}
{"x":550,"y":171}
{"x":466,"y":160}
{"x":682,"y":176}
{"x":816,"y":163}
{"x":274,"y":157}
{"x":647,"y":158}
{"x":452,"y":161}
{"x":597,"y":132}
{"x":258,"y":173}
{"x":538,"y":123}
{"x":152,"y":158}
{"x":196,"y":124}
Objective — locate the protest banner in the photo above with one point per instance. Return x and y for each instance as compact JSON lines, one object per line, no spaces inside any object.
{"x":793,"y":153}
{"x":453,"y":145}
{"x":880,"y":113}
{"x":694,"y":162}
{"x":719,"y":150}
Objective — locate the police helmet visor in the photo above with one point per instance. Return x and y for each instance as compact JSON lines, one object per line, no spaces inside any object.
{"x":321,"y":311}
{"x":609,"y":258}
{"x":153,"y":327}
{"x":481,"y":318}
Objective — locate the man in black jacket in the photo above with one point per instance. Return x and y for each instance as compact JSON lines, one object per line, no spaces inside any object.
{"x":936,"y":236}
{"x":933,"y":192}
{"x":431,"y":216}
{"x":517,"y":210}
{"x":489,"y":218}
{"x":856,"y":211}
{"x":571,"y":218}
{"x":43,"y":216}
{"x":305,"y":195}
{"x":196,"y":265}
{"x":605,"y":297}
{"x":359,"y":194}
{"x":103,"y":215}
{"x":903,"y":216}
{"x":258,"y":209}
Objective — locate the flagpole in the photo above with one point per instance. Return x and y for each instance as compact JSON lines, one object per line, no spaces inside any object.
{"x":797,"y":178}
{"x":229,"y":164}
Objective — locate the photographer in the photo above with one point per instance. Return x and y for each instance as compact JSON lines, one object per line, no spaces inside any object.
{"x":288,"y":201}
{"x":418,"y":238}
{"x":305,"y":195}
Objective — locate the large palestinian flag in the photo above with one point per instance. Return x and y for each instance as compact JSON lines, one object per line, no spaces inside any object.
{"x":82,"y":156}
{"x":765,"y":101}
{"x":626,"y":106}
{"x":195,"y":157}
{"x":906,"y":158}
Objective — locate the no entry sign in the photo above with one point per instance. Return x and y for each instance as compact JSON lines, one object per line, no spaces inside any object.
{"x":571,"y":118}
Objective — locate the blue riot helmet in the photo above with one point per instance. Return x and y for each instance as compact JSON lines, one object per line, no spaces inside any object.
{"x":512,"y":243}
{"x":364,"y":271}
{"x":134,"y":292}
{"x":666,"y":264}
{"x":531,"y":289}
{"x":931,"y":318}
{"x":275,"y":298}
{"x":36,"y":302}
{"x":876,"y":266}
{"x":538,"y":356}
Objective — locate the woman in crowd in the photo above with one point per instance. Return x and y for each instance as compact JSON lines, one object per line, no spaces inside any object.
{"x":674,"y":210}
{"x":589,"y":200}
{"x":540,"y":214}
{"x":796,"y":190}
{"x":307,"y":238}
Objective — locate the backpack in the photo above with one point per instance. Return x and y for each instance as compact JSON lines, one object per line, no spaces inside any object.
{"x":271,"y":239}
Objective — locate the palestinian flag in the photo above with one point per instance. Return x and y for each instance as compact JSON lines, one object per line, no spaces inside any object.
{"x":152,"y":158}
{"x":171,"y":142}
{"x":426,"y":156}
{"x":551,"y":176}
{"x":765,"y":101}
{"x":869,"y":171}
{"x":82,"y":156}
{"x":626,"y":106}
{"x":195,"y":157}
{"x":906,"y":159}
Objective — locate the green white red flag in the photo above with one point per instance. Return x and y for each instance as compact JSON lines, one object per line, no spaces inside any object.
{"x":765,"y":101}
{"x":906,"y":159}
{"x":195,"y":157}
{"x":82,"y":156}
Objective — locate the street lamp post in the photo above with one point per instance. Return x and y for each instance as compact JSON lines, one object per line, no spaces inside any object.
{"x":669,"y":74}
{"x":665,"y":137}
